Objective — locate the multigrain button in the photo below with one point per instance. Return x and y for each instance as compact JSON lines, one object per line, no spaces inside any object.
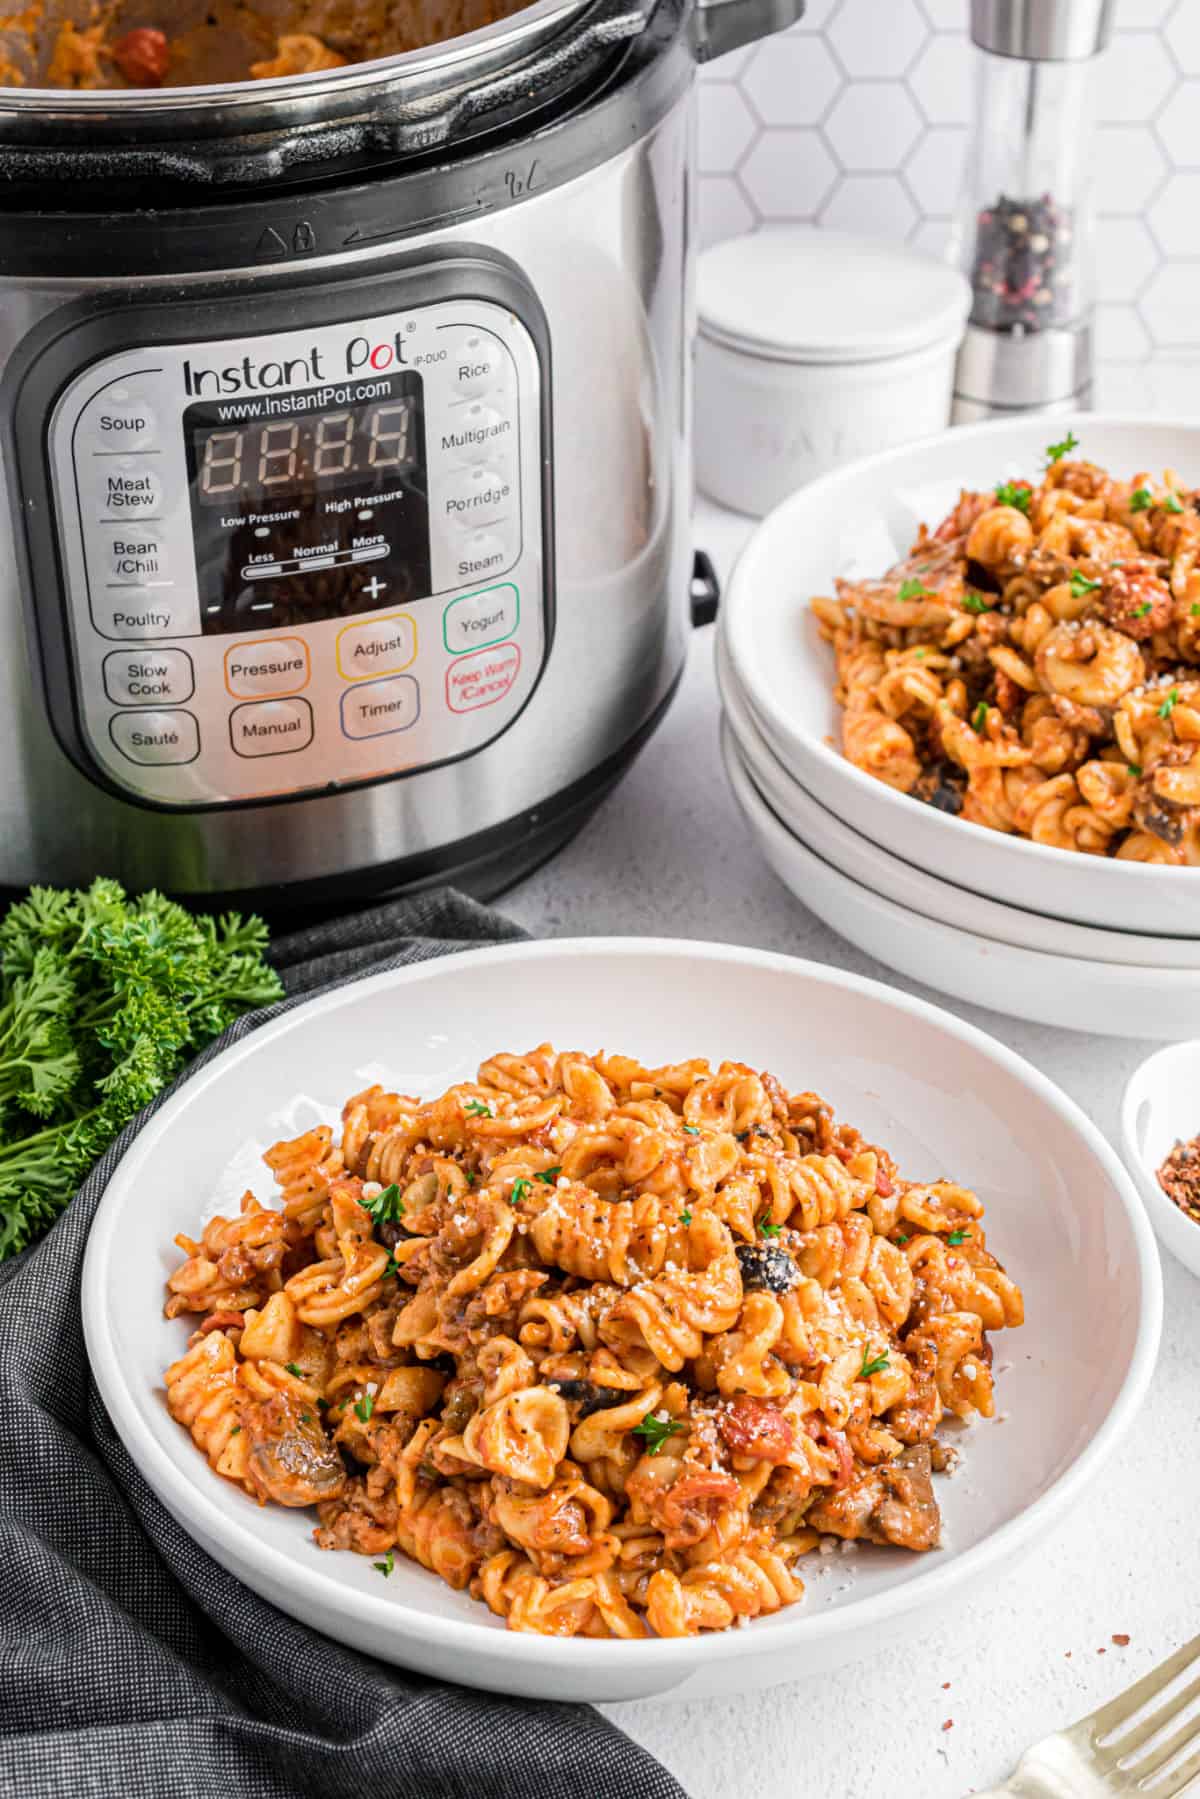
{"x":122,"y":420}
{"x":127,"y":487}
{"x":478,"y":497}
{"x":136,"y":677}
{"x":271,"y":727}
{"x":268,"y":665}
{"x":474,"y":432}
{"x":478,"y":620}
{"x":381,"y":646}
{"x":377,"y":708}
{"x":156,"y":738}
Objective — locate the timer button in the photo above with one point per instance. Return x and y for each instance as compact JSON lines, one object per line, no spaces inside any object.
{"x":477,"y":363}
{"x":271,"y":728}
{"x":155,"y":739}
{"x":274,"y":665}
{"x":134,"y":556}
{"x":120,"y":419}
{"x":378,"y":708}
{"x":478,"y":620}
{"x":134,"y":677}
{"x":478,"y":497}
{"x":476,"y":432}
{"x":127,"y":487}
{"x":382,"y":646}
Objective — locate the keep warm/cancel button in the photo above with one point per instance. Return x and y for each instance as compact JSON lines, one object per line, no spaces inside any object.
{"x":271,"y":727}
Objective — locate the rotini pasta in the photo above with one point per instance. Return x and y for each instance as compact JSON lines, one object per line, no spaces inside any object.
{"x":612,"y":1348}
{"x":1033,"y":665}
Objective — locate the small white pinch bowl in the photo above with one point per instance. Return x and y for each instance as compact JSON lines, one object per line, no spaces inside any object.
{"x":1161,"y":1107}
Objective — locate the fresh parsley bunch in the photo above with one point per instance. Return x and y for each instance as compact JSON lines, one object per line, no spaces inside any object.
{"x":102,"y":1000}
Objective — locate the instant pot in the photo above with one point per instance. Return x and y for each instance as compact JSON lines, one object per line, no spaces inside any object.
{"x":346,"y":425}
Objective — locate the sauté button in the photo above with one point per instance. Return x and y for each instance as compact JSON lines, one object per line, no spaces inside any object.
{"x":266,"y":665}
{"x":127,"y":487}
{"x":478,"y":620}
{"x":122,"y":420}
{"x":156,"y":738}
{"x":381,"y":646}
{"x":134,"y":555}
{"x":478,"y":497}
{"x":134,"y":677}
{"x":377,"y":708}
{"x":271,"y":727}
{"x":477,"y":363}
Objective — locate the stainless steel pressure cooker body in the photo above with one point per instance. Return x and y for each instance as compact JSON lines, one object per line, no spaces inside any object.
{"x":346,"y":445}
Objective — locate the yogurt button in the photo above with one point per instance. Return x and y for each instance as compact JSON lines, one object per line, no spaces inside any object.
{"x":141,"y":677}
{"x":124,"y":423}
{"x":135,"y":556}
{"x":478,"y":497}
{"x":478,"y":620}
{"x":476,"y":363}
{"x":156,"y":738}
{"x":127,"y":487}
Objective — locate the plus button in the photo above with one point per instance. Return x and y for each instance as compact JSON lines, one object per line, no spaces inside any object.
{"x":375,"y":587}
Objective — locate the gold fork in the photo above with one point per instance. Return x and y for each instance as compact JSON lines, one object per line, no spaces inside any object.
{"x":1117,"y":1749}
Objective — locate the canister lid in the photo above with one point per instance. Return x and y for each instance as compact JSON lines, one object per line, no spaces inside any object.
{"x":798,"y":293}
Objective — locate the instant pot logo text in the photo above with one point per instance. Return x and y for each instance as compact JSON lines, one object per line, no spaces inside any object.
{"x":362,"y":355}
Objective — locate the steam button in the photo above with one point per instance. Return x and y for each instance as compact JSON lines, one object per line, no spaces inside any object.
{"x":155,"y":739}
{"x":482,"y":553}
{"x":476,"y":362}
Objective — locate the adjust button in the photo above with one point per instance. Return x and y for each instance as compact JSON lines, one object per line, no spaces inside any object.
{"x":478,"y":620}
{"x":156,"y":738}
{"x":134,"y":677}
{"x":266,"y":665}
{"x":377,"y":708}
{"x":271,"y":727}
{"x":381,"y":646}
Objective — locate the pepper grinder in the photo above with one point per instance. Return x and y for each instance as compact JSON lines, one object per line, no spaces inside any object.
{"x":1024,"y":232}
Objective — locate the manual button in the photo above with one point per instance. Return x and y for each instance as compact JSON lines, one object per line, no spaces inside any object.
{"x":477,"y":620}
{"x":156,"y":738}
{"x":133,"y":677}
{"x":271,"y":727}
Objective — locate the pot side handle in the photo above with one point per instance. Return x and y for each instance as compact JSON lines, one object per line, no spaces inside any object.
{"x":719,"y":26}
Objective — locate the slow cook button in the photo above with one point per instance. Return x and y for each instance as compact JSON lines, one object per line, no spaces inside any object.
{"x":478,"y":497}
{"x":121,"y":420}
{"x":382,"y":646}
{"x":478,"y":620}
{"x":127,"y":487}
{"x":482,"y":679}
{"x":379,"y":707}
{"x":132,"y":677}
{"x":267,"y":665}
{"x":271,"y":727}
{"x":134,"y":556}
{"x":477,"y":363}
{"x":156,"y":738}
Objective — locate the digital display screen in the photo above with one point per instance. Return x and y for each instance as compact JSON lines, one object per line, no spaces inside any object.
{"x":309,"y":505}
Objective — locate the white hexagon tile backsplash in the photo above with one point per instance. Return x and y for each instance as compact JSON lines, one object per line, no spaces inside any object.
{"x":859,"y":117}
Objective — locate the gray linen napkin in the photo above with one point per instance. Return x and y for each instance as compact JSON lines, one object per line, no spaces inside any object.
{"x":130,"y":1663}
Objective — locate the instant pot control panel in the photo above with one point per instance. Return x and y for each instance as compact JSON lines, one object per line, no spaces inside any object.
{"x":287,"y":560}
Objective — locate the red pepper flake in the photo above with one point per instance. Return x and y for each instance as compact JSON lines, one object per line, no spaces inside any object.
{"x":1121,"y":1639}
{"x":1067,"y":1653}
{"x":949,"y":1724}
{"x":883,"y":1184}
{"x":1102,"y":1652}
{"x":945,"y":1686}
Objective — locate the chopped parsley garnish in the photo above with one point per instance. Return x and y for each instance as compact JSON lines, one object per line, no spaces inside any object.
{"x":902,"y":1239}
{"x":766,"y":1228}
{"x":1169,"y":704}
{"x":1140,"y":611}
{"x":323,"y":1405}
{"x":519,"y":1189}
{"x":475,"y":1108}
{"x":1080,"y":584}
{"x":913,"y":590}
{"x":236,"y":1430}
{"x":1141,"y":500}
{"x":549,"y":1175}
{"x":364,"y":1407}
{"x":974,"y":602}
{"x":685,"y":1218}
{"x":957,"y":1237}
{"x":387,"y":1207}
{"x":293,"y":1369}
{"x":472,"y":1177}
{"x":1009,"y":494}
{"x":1055,"y":451}
{"x":387,"y":1564}
{"x":1134,"y":769}
{"x":1172,"y":503}
{"x":979,"y":716}
{"x":1194,"y":609}
{"x":692,"y":1130}
{"x":390,"y":1267}
{"x":875,"y":1366}
{"x":655,"y":1431}
{"x":306,"y":1417}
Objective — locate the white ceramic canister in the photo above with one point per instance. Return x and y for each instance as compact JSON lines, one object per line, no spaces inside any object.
{"x":815,"y":347}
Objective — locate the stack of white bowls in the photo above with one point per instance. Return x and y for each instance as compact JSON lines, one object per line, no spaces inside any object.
{"x":1086,"y":942}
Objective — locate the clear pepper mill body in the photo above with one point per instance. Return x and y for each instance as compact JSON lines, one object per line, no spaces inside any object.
{"x":1024,"y":238}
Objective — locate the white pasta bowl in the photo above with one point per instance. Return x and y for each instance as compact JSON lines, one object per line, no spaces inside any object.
{"x":945,"y":1098}
{"x":858,"y":521}
{"x":1161,"y":1107}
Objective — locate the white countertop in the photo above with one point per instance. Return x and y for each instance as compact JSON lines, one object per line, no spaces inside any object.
{"x":668,"y":854}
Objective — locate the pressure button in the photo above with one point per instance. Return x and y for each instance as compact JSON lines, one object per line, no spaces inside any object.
{"x":156,"y":739}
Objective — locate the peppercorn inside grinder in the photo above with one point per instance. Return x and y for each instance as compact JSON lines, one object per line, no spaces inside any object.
{"x":1024,"y":229}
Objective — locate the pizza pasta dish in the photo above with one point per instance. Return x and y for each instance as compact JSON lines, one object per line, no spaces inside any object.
{"x":611,"y":1346}
{"x":1033,"y":664}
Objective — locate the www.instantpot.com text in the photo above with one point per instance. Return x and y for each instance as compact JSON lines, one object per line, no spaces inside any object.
{"x":272,"y":405}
